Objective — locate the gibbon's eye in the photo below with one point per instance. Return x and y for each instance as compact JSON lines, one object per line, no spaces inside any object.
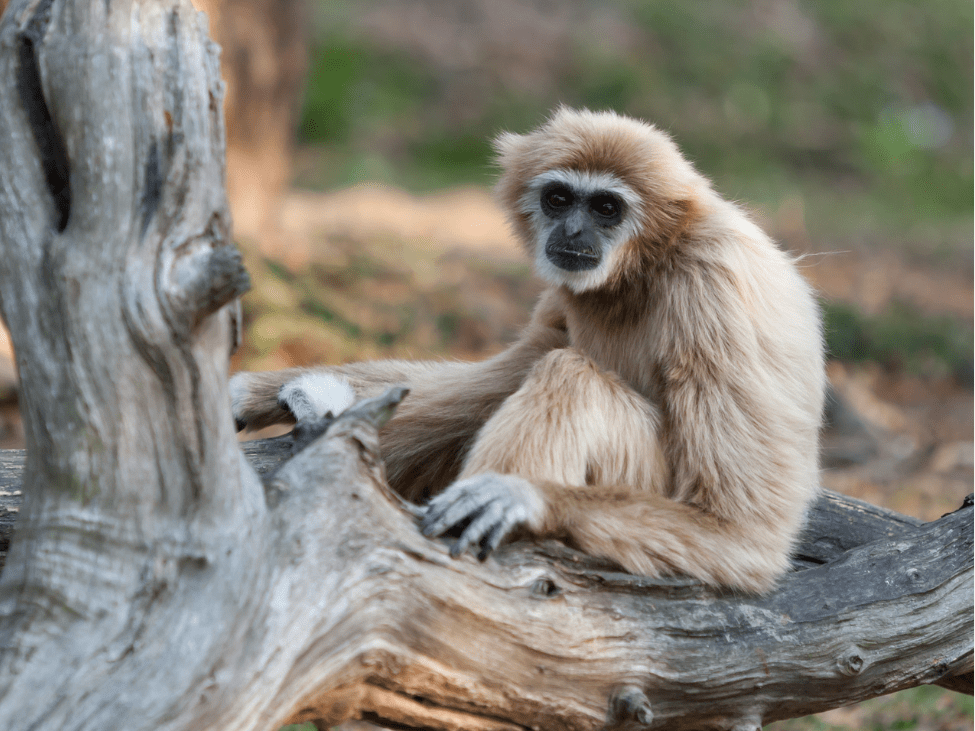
{"x":606,"y":207}
{"x":557,"y":198}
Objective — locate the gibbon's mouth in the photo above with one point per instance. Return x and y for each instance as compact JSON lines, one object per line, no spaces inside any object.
{"x":573,"y":259}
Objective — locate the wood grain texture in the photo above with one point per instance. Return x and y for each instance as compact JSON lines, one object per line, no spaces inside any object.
{"x":836,"y":523}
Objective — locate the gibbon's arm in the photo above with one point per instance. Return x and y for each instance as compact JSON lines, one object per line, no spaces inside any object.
{"x":645,"y":533}
{"x":426,"y":441}
{"x":734,"y":526}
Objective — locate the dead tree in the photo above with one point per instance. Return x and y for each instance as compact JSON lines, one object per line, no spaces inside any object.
{"x":155,"y":580}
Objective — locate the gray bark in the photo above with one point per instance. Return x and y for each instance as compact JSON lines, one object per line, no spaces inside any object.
{"x":156,"y":581}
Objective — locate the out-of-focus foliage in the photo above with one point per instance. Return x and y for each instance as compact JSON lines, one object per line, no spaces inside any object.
{"x":863,"y":110}
{"x":383,"y":299}
{"x":901,"y":338}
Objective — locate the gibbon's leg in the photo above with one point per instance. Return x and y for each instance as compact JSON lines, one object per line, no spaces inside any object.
{"x":258,"y":400}
{"x":569,"y":424}
{"x":574,"y":454}
{"x":280,"y":397}
{"x":574,"y":424}
{"x":426,"y":441}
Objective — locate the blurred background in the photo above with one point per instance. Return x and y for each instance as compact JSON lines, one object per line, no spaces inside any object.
{"x":359,"y":174}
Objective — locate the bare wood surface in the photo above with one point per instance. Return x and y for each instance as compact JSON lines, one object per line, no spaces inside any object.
{"x":155,"y":580}
{"x":836,"y":523}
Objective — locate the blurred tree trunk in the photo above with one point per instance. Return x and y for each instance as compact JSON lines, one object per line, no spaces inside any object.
{"x":264,"y":57}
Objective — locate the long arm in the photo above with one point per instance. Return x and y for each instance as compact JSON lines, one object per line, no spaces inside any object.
{"x":574,"y":454}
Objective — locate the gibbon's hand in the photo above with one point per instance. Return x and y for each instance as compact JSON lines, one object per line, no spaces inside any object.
{"x":494,"y":505}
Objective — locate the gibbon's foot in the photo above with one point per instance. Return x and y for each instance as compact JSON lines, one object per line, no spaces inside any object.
{"x":313,"y":396}
{"x":262,"y":399}
{"x":493,"y":505}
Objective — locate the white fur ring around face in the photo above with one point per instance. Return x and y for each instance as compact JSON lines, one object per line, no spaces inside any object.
{"x":494,"y":504}
{"x":312,"y":396}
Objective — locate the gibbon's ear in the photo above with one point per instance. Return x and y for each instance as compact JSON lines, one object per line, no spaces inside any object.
{"x":508,"y":145}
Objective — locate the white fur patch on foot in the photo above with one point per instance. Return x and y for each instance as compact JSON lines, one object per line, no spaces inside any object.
{"x":312,"y":396}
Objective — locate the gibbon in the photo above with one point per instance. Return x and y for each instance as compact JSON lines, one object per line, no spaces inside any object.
{"x":661,"y":409}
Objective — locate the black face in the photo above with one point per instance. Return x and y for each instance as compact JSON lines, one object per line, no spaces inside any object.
{"x":573,"y":244}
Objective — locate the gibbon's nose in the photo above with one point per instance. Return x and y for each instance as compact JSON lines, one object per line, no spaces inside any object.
{"x":575,"y":223}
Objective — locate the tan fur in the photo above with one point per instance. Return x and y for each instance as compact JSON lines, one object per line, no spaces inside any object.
{"x":668,"y":417}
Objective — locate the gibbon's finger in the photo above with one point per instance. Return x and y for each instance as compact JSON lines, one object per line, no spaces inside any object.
{"x":485,"y":522}
{"x":498,"y":533}
{"x":449,"y":509}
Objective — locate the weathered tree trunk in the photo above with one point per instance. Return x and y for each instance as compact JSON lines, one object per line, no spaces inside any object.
{"x":155,"y":581}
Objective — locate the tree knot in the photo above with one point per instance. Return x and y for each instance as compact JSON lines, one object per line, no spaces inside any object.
{"x":545,"y":588}
{"x":852,"y":662}
{"x":629,"y":709}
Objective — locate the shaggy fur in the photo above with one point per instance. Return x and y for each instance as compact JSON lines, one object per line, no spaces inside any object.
{"x":662,"y":410}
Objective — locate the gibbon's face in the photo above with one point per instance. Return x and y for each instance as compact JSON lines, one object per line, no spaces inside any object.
{"x":594,"y":195}
{"x":581,"y":221}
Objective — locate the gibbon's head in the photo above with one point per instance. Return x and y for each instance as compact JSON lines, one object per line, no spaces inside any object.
{"x":595,"y":195}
